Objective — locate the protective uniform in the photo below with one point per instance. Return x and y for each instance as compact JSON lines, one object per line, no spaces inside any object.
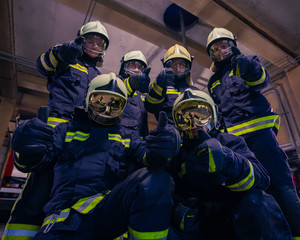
{"x":69,"y":70}
{"x":169,"y":85}
{"x":219,"y":184}
{"x":93,"y":196}
{"x":235,"y":87}
{"x":137,"y":83}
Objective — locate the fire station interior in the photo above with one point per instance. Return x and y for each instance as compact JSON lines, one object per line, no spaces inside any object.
{"x":269,"y":29}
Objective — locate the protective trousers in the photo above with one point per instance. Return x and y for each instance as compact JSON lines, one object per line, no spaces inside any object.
{"x":142,"y":205}
{"x":282,"y":188}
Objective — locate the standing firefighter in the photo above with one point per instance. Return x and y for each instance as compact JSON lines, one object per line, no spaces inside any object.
{"x":93,"y":196}
{"x":235,"y":87}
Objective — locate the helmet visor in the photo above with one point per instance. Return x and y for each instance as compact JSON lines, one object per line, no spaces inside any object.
{"x":180,"y":66}
{"x":194,"y":115}
{"x":106,"y":108}
{"x":221,"y":50}
{"x":94,"y":45}
{"x":133,"y":67}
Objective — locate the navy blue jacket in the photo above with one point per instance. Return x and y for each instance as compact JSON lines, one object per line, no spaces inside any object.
{"x":67,"y":90}
{"x":243,"y":108}
{"x":239,"y":166}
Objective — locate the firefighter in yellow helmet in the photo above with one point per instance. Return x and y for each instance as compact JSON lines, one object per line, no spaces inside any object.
{"x":174,"y":78}
{"x":236,"y":89}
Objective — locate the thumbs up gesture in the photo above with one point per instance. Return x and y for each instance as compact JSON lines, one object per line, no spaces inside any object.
{"x":162,"y":143}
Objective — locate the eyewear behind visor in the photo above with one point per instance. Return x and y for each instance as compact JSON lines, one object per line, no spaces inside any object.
{"x":105,"y":104}
{"x":133,"y":67}
{"x":194,"y":115}
{"x":180,"y":66}
{"x":221,"y":50}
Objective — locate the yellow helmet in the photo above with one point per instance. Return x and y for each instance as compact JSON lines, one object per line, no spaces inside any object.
{"x":97,"y":28}
{"x":218,"y":34}
{"x":177,"y":51}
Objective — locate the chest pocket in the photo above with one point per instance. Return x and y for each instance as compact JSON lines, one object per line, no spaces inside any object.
{"x":235,"y":84}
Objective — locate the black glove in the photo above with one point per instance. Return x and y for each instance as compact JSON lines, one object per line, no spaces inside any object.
{"x":31,"y":141}
{"x":166,"y":76}
{"x":70,"y":51}
{"x":162,"y":143}
{"x":139,"y":82}
{"x":240,"y":60}
{"x":210,"y":155}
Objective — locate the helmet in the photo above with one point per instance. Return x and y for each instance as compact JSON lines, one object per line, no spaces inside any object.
{"x":133,"y":56}
{"x":95,"y":27}
{"x":178,"y":52}
{"x":194,"y":110}
{"x":106,"y":99}
{"x":216,"y":35}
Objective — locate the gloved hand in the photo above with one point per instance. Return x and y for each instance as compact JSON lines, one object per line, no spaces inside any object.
{"x":240,"y":60}
{"x":31,"y":140}
{"x":139,"y":82}
{"x":162,"y":143}
{"x":70,"y":51}
{"x":210,"y":155}
{"x":166,"y":76}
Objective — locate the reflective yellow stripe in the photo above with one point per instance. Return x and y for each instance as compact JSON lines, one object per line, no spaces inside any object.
{"x":129,"y":89}
{"x":135,"y":235}
{"x":42,"y":58}
{"x":158,"y":89}
{"x":53,"y":59}
{"x":255,"y":125}
{"x":172,"y":91}
{"x":85,"y":205}
{"x":15,"y":231}
{"x":259,"y":81}
{"x":214,"y":85}
{"x":244,"y":184}
{"x":62,"y":216}
{"x":117,"y":137}
{"x":154,"y":100}
{"x":80,"y":136}
{"x":79,"y":67}
{"x":182,"y":170}
{"x":211,"y":165}
{"x":54,"y":121}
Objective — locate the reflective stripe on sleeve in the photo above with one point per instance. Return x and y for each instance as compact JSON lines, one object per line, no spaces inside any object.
{"x":259,"y":81}
{"x":42,"y":58}
{"x":15,"y":231}
{"x":117,"y":137}
{"x":54,"y":121}
{"x":244,"y":184}
{"x":80,"y":136}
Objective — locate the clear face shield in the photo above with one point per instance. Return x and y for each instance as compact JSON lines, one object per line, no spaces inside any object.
{"x":181,"y":67}
{"x":192,"y":116}
{"x":221,"y":50}
{"x":133,"y":67}
{"x":106,"y":108}
{"x":94,"y":45}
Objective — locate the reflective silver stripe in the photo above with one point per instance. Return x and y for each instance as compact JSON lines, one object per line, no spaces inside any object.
{"x":173,"y":91}
{"x":80,"y":136}
{"x":19,"y":233}
{"x":259,"y":81}
{"x":53,"y":121}
{"x":53,"y":59}
{"x":42,"y":58}
{"x":255,"y":125}
{"x":158,"y":89}
{"x":79,"y":67}
{"x":244,"y":184}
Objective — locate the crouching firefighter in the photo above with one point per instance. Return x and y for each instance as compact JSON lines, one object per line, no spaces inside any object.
{"x":93,"y":196}
{"x":219,"y":184}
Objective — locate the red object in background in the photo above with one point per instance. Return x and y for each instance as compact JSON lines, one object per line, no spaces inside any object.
{"x":9,"y":165}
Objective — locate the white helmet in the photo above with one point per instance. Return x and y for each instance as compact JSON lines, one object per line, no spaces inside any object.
{"x":132,"y":56}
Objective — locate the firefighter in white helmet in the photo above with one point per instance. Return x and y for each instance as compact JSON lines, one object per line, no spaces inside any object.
{"x":236,"y":89}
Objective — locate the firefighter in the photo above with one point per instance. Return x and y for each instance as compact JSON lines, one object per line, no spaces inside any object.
{"x":134,"y":72}
{"x":174,"y":78}
{"x":92,"y":195}
{"x":236,"y":88}
{"x":69,"y":68}
{"x":219,"y":184}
